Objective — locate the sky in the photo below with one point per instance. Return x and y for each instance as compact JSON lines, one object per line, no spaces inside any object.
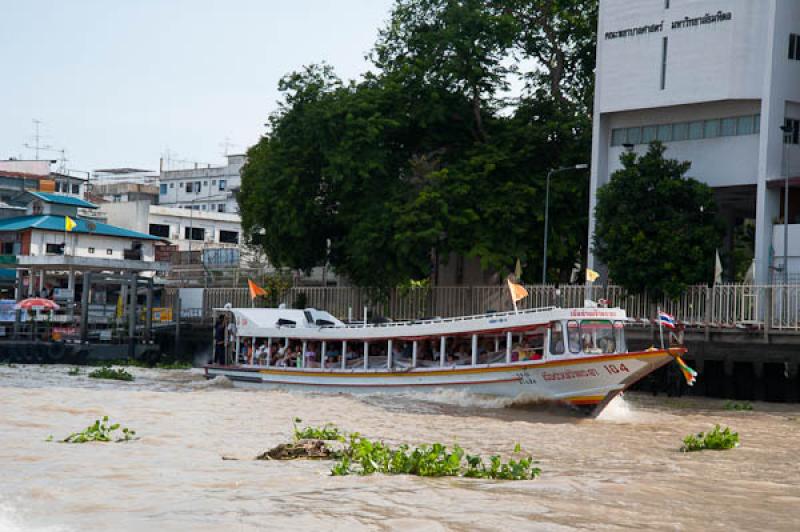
{"x":123,"y":83}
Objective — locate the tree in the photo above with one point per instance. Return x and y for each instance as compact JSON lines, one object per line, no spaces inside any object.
{"x":424,"y":156}
{"x":657,"y":230}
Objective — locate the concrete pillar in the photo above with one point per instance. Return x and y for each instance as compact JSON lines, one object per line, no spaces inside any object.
{"x":18,"y":296}
{"x":41,"y":281}
{"x":132,"y":316}
{"x":148,"y":317}
{"x":87,"y":284}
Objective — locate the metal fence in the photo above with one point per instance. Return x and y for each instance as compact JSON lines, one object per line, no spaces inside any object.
{"x":720,"y":306}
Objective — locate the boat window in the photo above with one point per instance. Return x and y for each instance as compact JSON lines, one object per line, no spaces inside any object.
{"x":574,"y":336}
{"x":557,"y":338}
{"x":597,"y":337}
{"x":619,"y":330}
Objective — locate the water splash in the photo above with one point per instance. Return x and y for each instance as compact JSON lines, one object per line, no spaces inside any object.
{"x":12,"y":520}
{"x":618,"y":410}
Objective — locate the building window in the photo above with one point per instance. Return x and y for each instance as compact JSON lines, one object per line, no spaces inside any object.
{"x":109,"y":251}
{"x":229,"y":237}
{"x":680,"y":131}
{"x":728,"y":127}
{"x":91,"y":250}
{"x":161,"y":230}
{"x":634,"y":135}
{"x":76,"y":189}
{"x":189,"y":187}
{"x":711,"y":129}
{"x":194,"y":233}
{"x":793,"y":135}
{"x":58,"y":186}
{"x":117,"y":198}
{"x":666,"y":4}
{"x":172,"y":185}
{"x":54,"y":249}
{"x":695,"y":130}
{"x":648,"y":134}
{"x":794,"y":46}
{"x":163,"y":189}
{"x":222,"y":183}
{"x":665,"y":133}
{"x":213,"y":182}
{"x":205,"y":183}
{"x":197,"y":187}
{"x":744,"y":125}
{"x":221,"y":207}
{"x":203,"y":206}
{"x":617,"y":138}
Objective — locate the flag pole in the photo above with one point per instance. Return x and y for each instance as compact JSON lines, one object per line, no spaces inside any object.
{"x":660,"y":326}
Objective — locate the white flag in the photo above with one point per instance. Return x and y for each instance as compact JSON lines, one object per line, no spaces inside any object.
{"x":718,"y":270}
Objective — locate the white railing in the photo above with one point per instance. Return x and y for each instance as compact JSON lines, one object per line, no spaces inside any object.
{"x":721,"y":306}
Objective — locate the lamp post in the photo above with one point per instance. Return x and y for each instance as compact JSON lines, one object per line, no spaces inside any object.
{"x":787,"y":138}
{"x":547,"y":210}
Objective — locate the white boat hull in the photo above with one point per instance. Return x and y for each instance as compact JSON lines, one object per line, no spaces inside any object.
{"x":585,"y":381}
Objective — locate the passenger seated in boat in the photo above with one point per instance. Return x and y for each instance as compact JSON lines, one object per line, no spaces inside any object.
{"x":260,"y":356}
{"x":311,"y":357}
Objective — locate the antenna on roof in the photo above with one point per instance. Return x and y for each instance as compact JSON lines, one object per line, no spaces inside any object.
{"x":37,"y":138}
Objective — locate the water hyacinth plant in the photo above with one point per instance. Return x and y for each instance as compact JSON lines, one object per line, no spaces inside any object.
{"x":717,"y":439}
{"x":107,"y":372}
{"x":101,"y":431}
{"x":744,"y":406}
{"x":73,"y":372}
{"x":328,"y":432}
{"x":363,"y":456}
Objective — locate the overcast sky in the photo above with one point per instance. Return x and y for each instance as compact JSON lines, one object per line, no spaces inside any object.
{"x":120,"y":83}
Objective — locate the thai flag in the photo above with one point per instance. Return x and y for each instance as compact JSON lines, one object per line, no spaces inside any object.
{"x":666,"y":320}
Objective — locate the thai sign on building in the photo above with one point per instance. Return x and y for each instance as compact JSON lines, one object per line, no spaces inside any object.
{"x":686,"y":22}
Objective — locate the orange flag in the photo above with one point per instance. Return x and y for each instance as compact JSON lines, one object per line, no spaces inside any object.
{"x":255,"y":290}
{"x":517,"y":291}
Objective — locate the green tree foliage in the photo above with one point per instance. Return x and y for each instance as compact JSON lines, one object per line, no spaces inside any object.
{"x":428,"y":151}
{"x":656,"y":229}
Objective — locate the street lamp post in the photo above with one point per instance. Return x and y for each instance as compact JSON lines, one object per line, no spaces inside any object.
{"x":547,"y":210}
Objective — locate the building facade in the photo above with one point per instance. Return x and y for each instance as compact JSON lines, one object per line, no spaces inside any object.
{"x":211,"y":189}
{"x":189,"y":230}
{"x":715,"y":81}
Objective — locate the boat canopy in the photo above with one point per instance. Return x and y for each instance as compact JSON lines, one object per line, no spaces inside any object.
{"x":253,"y":321}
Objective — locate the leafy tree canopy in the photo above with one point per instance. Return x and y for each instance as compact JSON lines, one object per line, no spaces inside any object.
{"x":429,"y":150}
{"x":657,"y":230}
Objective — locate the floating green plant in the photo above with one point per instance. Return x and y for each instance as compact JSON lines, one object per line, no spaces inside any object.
{"x":110,"y":373}
{"x":328,"y":432}
{"x":100,"y":431}
{"x":717,"y":439}
{"x":363,"y":456}
{"x":73,"y":372}
{"x":744,"y":406}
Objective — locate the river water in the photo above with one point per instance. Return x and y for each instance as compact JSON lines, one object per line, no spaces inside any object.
{"x":622,"y":470}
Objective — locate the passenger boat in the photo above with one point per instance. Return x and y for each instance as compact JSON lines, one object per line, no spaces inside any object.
{"x":572,"y":355}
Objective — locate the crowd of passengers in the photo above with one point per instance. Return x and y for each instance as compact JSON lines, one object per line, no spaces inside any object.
{"x":457,"y":352}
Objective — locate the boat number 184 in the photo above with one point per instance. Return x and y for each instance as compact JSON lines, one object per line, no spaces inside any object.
{"x":616,"y":368}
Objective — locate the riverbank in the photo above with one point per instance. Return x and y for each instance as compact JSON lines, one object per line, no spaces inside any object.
{"x":622,"y":470}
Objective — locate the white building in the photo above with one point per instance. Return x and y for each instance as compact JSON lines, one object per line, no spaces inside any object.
{"x":714,"y":80}
{"x":190,"y":230}
{"x":211,"y":189}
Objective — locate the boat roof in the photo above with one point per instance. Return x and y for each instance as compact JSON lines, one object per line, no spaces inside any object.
{"x":316,"y":324}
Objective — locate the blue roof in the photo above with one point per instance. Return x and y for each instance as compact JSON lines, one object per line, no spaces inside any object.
{"x":62,"y":200}
{"x":57,"y":223}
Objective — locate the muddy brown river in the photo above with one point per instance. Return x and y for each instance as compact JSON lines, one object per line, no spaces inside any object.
{"x":621,"y":471}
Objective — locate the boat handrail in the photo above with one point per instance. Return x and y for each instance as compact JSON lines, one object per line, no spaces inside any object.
{"x":447,"y":320}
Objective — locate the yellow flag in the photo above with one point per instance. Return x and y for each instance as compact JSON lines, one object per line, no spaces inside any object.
{"x":517,"y":291}
{"x":69,"y":223}
{"x":591,"y":275}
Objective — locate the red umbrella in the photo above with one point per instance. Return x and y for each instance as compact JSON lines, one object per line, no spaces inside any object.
{"x":37,"y":303}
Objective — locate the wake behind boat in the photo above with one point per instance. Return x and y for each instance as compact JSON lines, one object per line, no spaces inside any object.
{"x":575,"y":355}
